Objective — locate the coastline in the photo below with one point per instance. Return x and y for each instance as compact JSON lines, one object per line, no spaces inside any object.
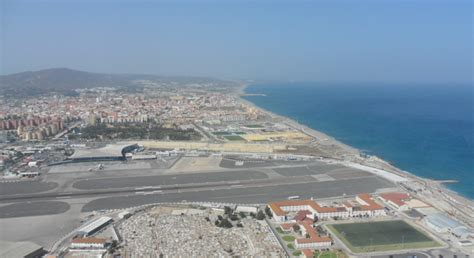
{"x":451,"y":197}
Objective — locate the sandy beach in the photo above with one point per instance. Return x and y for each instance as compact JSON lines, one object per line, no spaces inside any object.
{"x":435,"y":192}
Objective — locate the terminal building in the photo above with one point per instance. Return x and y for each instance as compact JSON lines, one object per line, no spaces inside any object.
{"x":107,"y":153}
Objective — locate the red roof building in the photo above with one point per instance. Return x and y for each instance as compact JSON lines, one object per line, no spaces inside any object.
{"x":396,"y":199}
{"x":309,"y":209}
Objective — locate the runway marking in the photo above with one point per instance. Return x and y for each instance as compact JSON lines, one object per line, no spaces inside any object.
{"x":147,"y":193}
{"x":242,"y":195}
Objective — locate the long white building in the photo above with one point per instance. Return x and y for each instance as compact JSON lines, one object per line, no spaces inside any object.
{"x":366,"y":206}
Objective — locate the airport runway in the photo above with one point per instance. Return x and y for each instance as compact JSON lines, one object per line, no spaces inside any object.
{"x":195,"y":178}
{"x":236,"y":186}
{"x":250,"y":195}
{"x":250,"y":191}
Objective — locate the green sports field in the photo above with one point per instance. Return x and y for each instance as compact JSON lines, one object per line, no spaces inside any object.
{"x":381,"y":236}
{"x":234,"y":138}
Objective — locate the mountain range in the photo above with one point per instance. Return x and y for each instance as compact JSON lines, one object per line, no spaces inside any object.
{"x":65,"y":81}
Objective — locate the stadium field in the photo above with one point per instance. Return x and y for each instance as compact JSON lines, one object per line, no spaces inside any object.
{"x":234,"y":138}
{"x":381,"y":236}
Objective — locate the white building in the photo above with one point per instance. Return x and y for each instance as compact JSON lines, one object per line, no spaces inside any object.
{"x":94,"y":226}
{"x":143,"y":156}
{"x":314,"y":241}
{"x":88,"y":243}
{"x":366,"y":206}
{"x":247,"y":209}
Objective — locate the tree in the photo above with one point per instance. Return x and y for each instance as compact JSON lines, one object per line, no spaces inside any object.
{"x":228,"y":210}
{"x":296,"y":227}
{"x":113,"y":246}
{"x":242,"y":215}
{"x":225,"y":223}
{"x":260,"y":215}
{"x":268,"y":212}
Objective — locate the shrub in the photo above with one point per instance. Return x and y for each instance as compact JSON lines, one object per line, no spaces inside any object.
{"x":260,"y":215}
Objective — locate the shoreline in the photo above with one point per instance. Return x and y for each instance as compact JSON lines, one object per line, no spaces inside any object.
{"x":453,"y":197}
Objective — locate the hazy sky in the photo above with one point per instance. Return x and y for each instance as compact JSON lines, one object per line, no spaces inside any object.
{"x":377,"y":40}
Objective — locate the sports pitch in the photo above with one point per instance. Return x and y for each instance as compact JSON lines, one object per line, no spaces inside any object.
{"x":381,"y":236}
{"x":234,"y":138}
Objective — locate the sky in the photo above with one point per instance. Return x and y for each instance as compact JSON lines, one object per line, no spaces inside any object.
{"x":422,"y":41}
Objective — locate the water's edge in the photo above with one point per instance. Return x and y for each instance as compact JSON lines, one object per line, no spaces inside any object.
{"x":449,"y":187}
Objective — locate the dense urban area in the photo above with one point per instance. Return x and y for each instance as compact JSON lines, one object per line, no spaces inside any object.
{"x":187,"y":168}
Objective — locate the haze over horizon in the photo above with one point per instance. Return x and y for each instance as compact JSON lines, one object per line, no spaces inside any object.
{"x":393,"y":41}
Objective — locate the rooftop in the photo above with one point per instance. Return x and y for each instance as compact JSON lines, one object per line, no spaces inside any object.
{"x":313,"y":235}
{"x":443,"y":221}
{"x":277,"y":206}
{"x":395,"y":197}
{"x":89,"y":240}
{"x":94,"y":224}
{"x":370,"y":204}
{"x":307,"y":252}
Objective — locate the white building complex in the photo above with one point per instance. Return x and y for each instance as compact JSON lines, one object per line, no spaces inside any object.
{"x":366,"y":206}
{"x":88,"y":243}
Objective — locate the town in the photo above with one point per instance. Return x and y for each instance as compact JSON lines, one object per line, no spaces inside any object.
{"x":196,"y":170}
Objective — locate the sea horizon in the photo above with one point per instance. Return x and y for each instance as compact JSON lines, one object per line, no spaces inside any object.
{"x":423,"y":130}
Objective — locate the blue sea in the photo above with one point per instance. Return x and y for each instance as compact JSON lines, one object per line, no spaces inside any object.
{"x":427,"y":130}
